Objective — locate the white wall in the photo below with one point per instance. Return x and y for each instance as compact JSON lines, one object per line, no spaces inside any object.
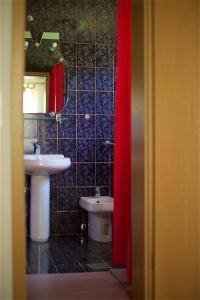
{"x":6,"y":273}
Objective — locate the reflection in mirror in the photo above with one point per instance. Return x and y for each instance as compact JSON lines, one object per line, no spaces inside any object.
{"x":36,"y":92}
{"x":43,"y":54}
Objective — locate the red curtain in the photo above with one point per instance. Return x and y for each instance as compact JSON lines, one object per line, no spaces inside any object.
{"x":122,"y":171}
{"x":56,"y":88}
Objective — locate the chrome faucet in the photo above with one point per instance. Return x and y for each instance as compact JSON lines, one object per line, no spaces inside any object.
{"x":108,"y":143}
{"x":98,"y":191}
{"x":36,"y":148}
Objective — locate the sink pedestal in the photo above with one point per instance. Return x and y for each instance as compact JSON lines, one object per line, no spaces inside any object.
{"x":40,"y":167}
{"x":40,"y":208}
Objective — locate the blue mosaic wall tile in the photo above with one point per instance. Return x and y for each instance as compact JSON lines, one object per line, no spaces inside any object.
{"x":104,"y":56}
{"x":104,"y":79}
{"x":103,"y":174}
{"x":53,"y":200}
{"x":67,"y":129}
{"x":86,"y":102}
{"x":53,"y":222}
{"x":88,"y":31}
{"x":53,"y":181}
{"x":84,"y":7}
{"x":68,"y":50}
{"x":104,"y":153}
{"x":71,"y":79}
{"x":48,"y":146}
{"x":32,"y":7}
{"x":105,"y":191}
{"x":68,"y":177}
{"x":66,"y":29}
{"x":114,"y":103}
{"x":85,"y":174}
{"x":67,"y":199}
{"x":66,"y":222}
{"x":47,"y":25}
{"x":111,"y":176}
{"x":48,"y":6}
{"x":86,"y":79}
{"x":70,"y":103}
{"x":86,"y":21}
{"x":104,"y":7}
{"x":104,"y":103}
{"x":104,"y":126}
{"x":66,"y":9}
{"x":47,"y":129}
{"x":115,"y":57}
{"x":86,"y":127}
{"x":86,"y":150}
{"x":67,"y":147}
{"x":85,"y":192}
{"x":104,"y":30}
{"x":86,"y":55}
{"x":115,"y":80}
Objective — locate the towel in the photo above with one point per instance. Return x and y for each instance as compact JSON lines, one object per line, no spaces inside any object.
{"x":56,"y":90}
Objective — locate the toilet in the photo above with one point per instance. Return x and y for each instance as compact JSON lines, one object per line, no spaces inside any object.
{"x":99,"y":217}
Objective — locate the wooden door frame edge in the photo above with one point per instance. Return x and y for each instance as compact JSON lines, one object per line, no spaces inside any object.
{"x":149,"y":150}
{"x":19,"y":277}
{"x":142,"y":150}
{"x":17,"y":135}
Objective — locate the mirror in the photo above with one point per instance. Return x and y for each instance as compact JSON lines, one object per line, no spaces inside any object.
{"x":43,"y":55}
{"x":36,"y":92}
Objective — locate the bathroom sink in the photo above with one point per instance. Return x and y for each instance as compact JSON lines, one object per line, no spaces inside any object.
{"x":40,"y":167}
{"x":97,"y":204}
{"x":46,"y":164}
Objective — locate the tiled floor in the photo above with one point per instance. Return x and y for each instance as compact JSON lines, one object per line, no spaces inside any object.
{"x":77,"y":286}
{"x":68,"y":254}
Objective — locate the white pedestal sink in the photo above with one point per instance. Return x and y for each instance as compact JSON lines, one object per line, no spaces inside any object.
{"x":40,"y":167}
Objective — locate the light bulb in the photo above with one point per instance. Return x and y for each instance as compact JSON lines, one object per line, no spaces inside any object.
{"x":37,"y":44}
{"x":30,"y":18}
{"x":54,"y":44}
{"x":26,"y":43}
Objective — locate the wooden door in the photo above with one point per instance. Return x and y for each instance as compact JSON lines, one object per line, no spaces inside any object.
{"x":175,"y":103}
{"x":166,"y":218}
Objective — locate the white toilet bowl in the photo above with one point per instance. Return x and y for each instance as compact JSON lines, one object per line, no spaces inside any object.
{"x":99,"y":217}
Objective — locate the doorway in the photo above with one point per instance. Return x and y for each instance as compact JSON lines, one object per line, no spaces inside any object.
{"x":86,"y":43}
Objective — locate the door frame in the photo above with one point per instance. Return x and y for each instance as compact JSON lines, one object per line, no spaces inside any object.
{"x":17,"y":146}
{"x":12,"y":204}
{"x":6,"y":280}
{"x":149,"y":158}
{"x":145,"y":278}
{"x":142,"y":151}
{"x":12,"y":223}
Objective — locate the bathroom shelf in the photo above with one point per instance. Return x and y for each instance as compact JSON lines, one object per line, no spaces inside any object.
{"x":45,"y":118}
